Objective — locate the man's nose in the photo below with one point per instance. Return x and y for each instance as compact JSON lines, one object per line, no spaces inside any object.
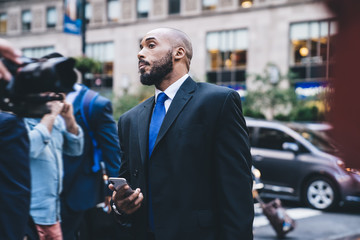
{"x":141,"y":54}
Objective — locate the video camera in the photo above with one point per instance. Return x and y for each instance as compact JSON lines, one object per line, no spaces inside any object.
{"x":22,"y":95}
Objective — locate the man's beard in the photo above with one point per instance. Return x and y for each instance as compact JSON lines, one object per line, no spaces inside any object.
{"x":159,"y":70}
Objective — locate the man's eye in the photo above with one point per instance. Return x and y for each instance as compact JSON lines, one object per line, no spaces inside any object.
{"x":151,"y":45}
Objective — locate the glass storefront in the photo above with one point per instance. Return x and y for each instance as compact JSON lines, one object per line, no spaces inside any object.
{"x":37,"y":52}
{"x":3,"y":23}
{"x":312,"y":50}
{"x":227,"y":57}
{"x":104,"y":53}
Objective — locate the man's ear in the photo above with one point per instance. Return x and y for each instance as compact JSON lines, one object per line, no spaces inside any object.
{"x":179,"y":53}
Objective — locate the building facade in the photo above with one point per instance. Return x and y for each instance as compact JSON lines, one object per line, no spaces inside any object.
{"x":232,"y":39}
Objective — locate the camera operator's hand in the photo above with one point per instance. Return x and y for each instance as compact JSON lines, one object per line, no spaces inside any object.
{"x":55,"y":109}
{"x":68,"y":115}
{"x":7,"y":51}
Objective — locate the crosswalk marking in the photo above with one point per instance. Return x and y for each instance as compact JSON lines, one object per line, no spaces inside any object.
{"x":294,"y":213}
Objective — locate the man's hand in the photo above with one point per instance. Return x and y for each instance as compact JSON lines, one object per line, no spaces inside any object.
{"x":68,"y":114}
{"x":129,"y":204}
{"x":56,"y":107}
{"x":67,"y":111}
{"x":49,"y":119}
{"x":7,"y":51}
{"x":107,"y":203}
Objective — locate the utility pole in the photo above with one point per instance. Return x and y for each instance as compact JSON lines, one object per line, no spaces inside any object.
{"x":83,"y":26}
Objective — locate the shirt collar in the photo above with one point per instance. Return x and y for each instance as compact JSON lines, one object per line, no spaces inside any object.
{"x":173,"y":88}
{"x":72,"y":95}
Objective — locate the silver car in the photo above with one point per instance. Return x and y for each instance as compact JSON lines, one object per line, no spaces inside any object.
{"x":297,"y":163}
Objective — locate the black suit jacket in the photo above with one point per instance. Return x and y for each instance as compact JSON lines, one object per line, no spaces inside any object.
{"x":200,"y":168}
{"x":14,"y":177}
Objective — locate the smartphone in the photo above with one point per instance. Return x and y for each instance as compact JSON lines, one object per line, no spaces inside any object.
{"x":118,"y":183}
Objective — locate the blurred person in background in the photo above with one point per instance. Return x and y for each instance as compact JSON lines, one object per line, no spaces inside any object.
{"x":186,"y":152}
{"x":84,"y":186}
{"x":14,"y":163}
{"x":345,"y":112}
{"x":49,"y":137}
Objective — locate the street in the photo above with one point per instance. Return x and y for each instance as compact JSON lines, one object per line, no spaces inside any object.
{"x":340,"y":224}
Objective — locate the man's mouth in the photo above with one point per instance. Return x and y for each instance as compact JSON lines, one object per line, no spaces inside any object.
{"x":143,"y":64}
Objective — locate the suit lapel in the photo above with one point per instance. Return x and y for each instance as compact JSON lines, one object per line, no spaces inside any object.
{"x":143,"y":127}
{"x":183,"y":95}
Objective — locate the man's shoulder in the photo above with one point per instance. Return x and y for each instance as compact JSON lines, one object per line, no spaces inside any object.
{"x":133,"y":112}
{"x":10,"y":122}
{"x":209,"y":89}
{"x":101,"y":100}
{"x":8,"y":119}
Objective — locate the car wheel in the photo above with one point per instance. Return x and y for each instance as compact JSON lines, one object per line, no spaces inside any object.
{"x":320,"y":193}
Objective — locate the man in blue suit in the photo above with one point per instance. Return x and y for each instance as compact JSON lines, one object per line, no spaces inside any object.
{"x":14,"y":164}
{"x":14,"y":177}
{"x":84,"y":186}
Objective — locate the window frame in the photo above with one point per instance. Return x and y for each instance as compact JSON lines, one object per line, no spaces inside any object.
{"x":142,"y":15}
{"x":228,"y":50}
{"x":26,"y":26}
{"x":108,"y":7}
{"x":314,"y":67}
{"x":209,"y":7}
{"x":3,"y":30}
{"x":51,"y":26}
{"x":38,"y":52}
{"x":107,"y":64}
{"x":88,"y":12}
{"x":177,"y":7}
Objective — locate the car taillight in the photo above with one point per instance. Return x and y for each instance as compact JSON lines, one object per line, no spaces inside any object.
{"x":340,"y":163}
{"x":353,"y":170}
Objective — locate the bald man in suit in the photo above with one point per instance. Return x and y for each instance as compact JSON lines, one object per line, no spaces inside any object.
{"x":186,"y":152}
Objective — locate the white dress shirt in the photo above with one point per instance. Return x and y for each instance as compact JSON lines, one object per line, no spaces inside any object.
{"x":171,"y":91}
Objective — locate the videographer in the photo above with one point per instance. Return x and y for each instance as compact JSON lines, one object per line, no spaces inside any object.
{"x":50,"y":137}
{"x":14,"y":163}
{"x":22,"y":82}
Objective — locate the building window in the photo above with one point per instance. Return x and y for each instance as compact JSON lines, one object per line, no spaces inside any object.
{"x":143,"y":7}
{"x":209,"y":4}
{"x":88,"y":12}
{"x":245,"y":3}
{"x":312,"y":50}
{"x":113,"y":10}
{"x":104,"y":53}
{"x":174,"y":6}
{"x":3,"y":23}
{"x":26,"y":19}
{"x":227,"y":57}
{"x":51,"y":17}
{"x":37,"y":52}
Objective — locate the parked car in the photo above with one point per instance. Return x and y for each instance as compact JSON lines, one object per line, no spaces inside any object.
{"x":299,"y":164}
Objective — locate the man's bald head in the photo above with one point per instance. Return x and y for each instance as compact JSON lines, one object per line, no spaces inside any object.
{"x":177,"y":38}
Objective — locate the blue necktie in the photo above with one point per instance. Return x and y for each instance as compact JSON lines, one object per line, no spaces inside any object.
{"x":156,"y":120}
{"x":155,"y":124}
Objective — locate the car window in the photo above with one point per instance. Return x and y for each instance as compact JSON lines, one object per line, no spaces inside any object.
{"x":273,"y":139}
{"x":320,"y":141}
{"x":251,"y":134}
